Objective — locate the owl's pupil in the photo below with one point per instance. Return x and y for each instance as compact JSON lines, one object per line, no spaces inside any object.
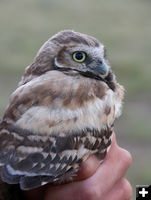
{"x":79,"y":56}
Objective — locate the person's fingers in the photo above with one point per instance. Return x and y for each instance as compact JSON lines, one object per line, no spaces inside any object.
{"x":70,"y":191}
{"x":88,"y":168}
{"x":121,"y":191}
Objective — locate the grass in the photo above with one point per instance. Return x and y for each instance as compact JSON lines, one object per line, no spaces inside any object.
{"x":123,"y":26}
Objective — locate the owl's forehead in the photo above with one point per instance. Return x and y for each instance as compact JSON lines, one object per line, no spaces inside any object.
{"x":74,"y":41}
{"x":67,"y":37}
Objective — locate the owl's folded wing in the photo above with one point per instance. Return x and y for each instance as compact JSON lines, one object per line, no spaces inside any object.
{"x":34,"y":160}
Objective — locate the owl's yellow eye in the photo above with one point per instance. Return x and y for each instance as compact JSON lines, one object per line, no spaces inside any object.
{"x":79,"y":56}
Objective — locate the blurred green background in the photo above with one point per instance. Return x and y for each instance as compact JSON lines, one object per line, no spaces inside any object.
{"x":125,"y":29}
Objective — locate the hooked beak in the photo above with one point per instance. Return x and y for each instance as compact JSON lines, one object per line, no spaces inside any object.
{"x":100,"y":69}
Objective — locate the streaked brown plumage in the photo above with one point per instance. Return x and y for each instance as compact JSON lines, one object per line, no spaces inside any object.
{"x":62,"y":112}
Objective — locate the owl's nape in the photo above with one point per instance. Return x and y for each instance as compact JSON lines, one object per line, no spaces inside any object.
{"x":62,"y":112}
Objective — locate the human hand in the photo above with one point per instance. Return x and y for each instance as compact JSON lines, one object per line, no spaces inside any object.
{"x":95,"y":181}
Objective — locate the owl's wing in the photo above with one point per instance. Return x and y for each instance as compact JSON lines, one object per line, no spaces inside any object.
{"x":37,"y":144}
{"x":34,"y":160}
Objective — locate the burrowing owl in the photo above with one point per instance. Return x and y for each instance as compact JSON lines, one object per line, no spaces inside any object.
{"x":62,"y":112}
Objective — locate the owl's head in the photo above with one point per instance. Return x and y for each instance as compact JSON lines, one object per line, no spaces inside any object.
{"x":70,"y":52}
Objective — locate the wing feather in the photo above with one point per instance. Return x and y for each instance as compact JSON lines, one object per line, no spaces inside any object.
{"x":33,"y":169}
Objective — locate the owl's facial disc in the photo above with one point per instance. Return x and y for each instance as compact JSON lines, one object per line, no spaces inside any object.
{"x":90,"y":64}
{"x":86,"y":60}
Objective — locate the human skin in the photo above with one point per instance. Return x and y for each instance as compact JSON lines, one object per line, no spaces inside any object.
{"x":95,"y":181}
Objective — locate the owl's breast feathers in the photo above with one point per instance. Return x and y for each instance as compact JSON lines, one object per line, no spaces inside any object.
{"x":52,"y":124}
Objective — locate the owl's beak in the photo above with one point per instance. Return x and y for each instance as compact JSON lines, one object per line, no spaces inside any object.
{"x":100,"y":69}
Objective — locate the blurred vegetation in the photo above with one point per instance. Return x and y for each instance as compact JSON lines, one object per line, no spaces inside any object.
{"x":125,"y":29}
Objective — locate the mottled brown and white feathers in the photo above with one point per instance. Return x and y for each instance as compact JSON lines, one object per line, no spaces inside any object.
{"x":62,"y":112}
